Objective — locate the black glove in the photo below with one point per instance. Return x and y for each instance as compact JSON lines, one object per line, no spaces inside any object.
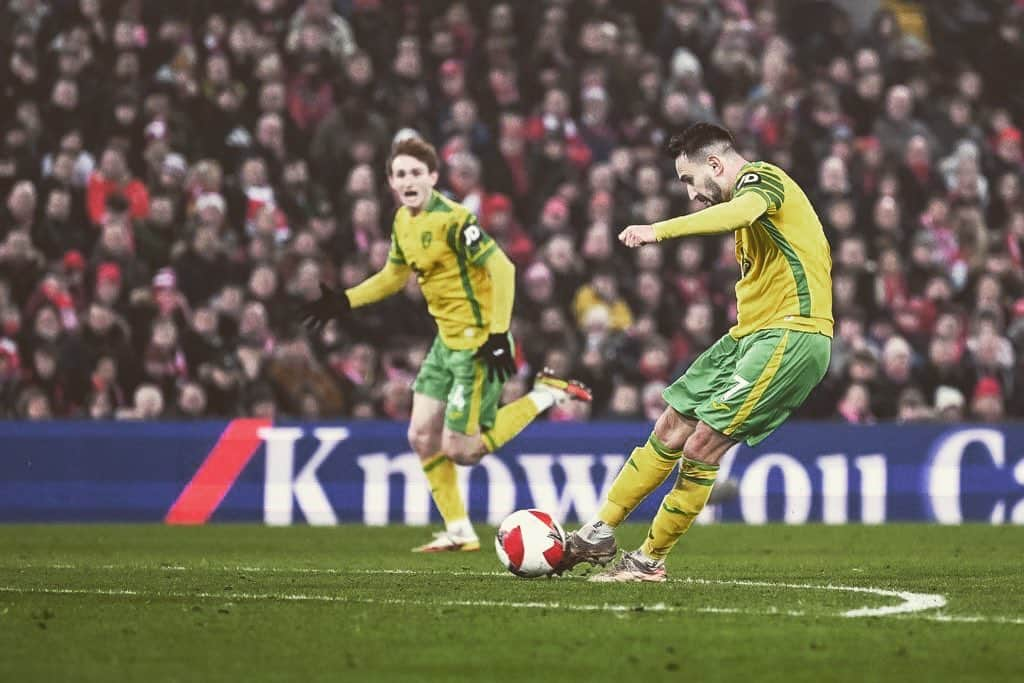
{"x":330,"y":305}
{"x":498,"y":355}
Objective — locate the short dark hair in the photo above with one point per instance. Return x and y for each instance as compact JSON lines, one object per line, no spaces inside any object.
{"x":417,"y":148}
{"x":698,"y":138}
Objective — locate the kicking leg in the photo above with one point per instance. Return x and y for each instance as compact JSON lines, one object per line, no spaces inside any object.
{"x":704,"y":448}
{"x":644,"y":471}
{"x":548,"y":390}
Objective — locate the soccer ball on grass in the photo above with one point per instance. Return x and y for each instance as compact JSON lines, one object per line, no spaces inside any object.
{"x":530,"y":543}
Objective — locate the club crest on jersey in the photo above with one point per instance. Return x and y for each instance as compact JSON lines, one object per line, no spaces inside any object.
{"x":748,"y":179}
{"x":426,"y":237}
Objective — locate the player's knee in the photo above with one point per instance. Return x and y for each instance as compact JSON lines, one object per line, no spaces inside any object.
{"x":467,"y":459}
{"x":706,"y":445}
{"x":424,"y":441}
{"x":461,"y":449}
{"x":673,"y":429}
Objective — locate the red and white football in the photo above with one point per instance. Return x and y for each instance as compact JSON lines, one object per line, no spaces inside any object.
{"x":530,"y":543}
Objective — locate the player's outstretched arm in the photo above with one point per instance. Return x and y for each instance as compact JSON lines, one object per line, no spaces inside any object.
{"x":503,"y":288}
{"x":496,"y":352}
{"x":734,"y":214}
{"x":335,"y":305}
{"x":332,"y":305}
{"x":388,"y":281}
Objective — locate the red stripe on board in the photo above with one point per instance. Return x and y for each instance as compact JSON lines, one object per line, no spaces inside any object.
{"x":218,"y":473}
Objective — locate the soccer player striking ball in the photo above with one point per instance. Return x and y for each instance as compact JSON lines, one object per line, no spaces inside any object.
{"x":469,"y":285}
{"x":751,"y":379}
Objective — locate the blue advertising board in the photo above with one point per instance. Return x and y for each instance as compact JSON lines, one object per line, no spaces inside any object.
{"x":364,"y":472}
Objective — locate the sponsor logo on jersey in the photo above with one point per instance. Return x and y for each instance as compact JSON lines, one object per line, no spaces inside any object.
{"x":748,"y":179}
{"x":471,"y":236}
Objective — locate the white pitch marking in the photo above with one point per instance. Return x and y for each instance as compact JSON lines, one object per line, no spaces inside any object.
{"x":115,"y":567}
{"x":912,"y":602}
{"x":305,"y":597}
{"x":605,"y":607}
{"x":972,"y":619}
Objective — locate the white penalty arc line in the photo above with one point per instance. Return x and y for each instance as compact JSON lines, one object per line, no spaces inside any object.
{"x":571,"y":607}
{"x":911,"y":602}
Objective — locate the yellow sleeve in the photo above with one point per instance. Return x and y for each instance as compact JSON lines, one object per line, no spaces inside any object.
{"x":388,"y":281}
{"x":503,"y":289}
{"x":739,"y":212}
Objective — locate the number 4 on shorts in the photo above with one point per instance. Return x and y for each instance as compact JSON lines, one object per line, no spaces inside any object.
{"x":458,"y":397}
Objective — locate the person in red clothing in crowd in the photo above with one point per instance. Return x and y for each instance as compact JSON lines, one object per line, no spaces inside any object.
{"x":497,"y":219}
{"x":1008,"y":150}
{"x":310,"y":92}
{"x":987,"y":401}
{"x":113,"y":177}
{"x":108,"y":287}
{"x":554,"y":118}
{"x":52,"y":291}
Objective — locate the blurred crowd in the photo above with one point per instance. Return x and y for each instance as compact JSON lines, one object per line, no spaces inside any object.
{"x":177,"y":177}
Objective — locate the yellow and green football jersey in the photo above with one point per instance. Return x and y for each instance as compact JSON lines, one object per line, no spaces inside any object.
{"x":446,"y":248}
{"x":784,"y":258}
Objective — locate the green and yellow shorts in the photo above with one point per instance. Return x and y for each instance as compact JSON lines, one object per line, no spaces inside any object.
{"x":746,"y":388}
{"x":458,"y":379}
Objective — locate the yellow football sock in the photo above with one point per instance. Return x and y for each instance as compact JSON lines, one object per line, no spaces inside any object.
{"x":444,"y":488}
{"x":511,"y":420}
{"x":646,"y":468}
{"x":680,"y":507}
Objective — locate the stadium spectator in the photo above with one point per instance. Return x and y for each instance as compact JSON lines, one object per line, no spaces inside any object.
{"x":174,"y":187}
{"x":114,"y":179}
{"x":148,"y":404}
{"x":949,"y":404}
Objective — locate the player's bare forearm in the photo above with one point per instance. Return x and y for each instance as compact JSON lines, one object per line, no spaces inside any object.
{"x":729,"y":216}
{"x":388,"y":281}
{"x":503,"y":287}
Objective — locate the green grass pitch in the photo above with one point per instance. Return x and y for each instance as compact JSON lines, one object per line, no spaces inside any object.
{"x":350,"y":603}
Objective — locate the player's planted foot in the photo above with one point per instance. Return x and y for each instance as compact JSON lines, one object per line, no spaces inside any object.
{"x":446,"y":541}
{"x":577,"y":550}
{"x":562,"y":389}
{"x":632,"y":567}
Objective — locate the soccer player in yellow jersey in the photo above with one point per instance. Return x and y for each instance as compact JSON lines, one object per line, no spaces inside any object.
{"x":750,"y":380}
{"x":469,"y":286}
